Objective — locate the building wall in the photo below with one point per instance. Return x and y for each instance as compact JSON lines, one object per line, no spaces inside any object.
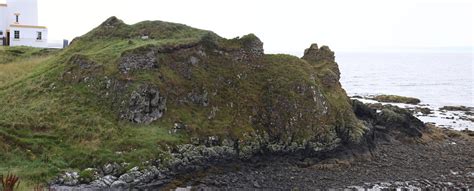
{"x":27,"y":10}
{"x":3,"y":19}
{"x":28,"y":37}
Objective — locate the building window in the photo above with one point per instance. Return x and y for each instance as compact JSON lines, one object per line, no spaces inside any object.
{"x":1,"y":33}
{"x":39,"y":36}
{"x":16,"y":35}
{"x":17,"y":18}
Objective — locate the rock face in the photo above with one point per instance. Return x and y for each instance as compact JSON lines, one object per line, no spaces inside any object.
{"x":314,"y":53}
{"x":392,"y":118}
{"x":252,"y":46}
{"x":146,"y":105}
{"x":324,"y":56}
{"x":145,"y":59}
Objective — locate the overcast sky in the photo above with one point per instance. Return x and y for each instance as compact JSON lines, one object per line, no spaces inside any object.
{"x":285,"y":26}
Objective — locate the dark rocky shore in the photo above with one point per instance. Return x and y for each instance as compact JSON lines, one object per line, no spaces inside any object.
{"x":433,"y":164}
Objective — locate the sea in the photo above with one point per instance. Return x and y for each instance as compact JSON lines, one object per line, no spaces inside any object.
{"x":436,"y":78}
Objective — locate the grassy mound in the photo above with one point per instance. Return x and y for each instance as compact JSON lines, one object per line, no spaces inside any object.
{"x":127,"y":93}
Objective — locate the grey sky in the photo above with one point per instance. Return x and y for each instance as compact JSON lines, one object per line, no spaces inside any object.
{"x":285,"y":26}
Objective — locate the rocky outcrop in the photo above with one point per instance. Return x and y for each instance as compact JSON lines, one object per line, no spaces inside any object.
{"x":313,"y":53}
{"x":252,"y":45}
{"x":145,"y":105}
{"x":138,"y":59}
{"x":390,"y":119}
{"x":324,"y":56}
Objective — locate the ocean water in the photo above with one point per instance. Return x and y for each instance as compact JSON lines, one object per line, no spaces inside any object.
{"x":437,"y":78}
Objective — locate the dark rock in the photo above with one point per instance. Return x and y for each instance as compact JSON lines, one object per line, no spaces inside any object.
{"x":108,"y":180}
{"x":468,"y":132}
{"x":144,"y":58}
{"x":253,"y":45}
{"x":376,"y":106}
{"x":456,"y":108}
{"x":313,"y":53}
{"x":397,"y":119}
{"x":396,"y":99}
{"x":363,"y":111}
{"x":324,"y":56}
{"x":145,"y":106}
{"x":329,"y":78}
{"x":119,"y":185}
{"x":423,"y":110}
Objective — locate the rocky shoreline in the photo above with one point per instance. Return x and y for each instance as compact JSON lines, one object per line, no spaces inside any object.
{"x":398,"y":151}
{"x":428,"y":164}
{"x":459,"y":118}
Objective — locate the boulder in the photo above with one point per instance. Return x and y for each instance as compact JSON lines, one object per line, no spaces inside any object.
{"x":118,"y":185}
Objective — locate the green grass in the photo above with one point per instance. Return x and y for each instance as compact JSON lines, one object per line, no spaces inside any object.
{"x":50,"y":123}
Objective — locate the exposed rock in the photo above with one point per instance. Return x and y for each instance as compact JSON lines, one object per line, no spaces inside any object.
{"x":108,"y":180}
{"x":376,"y":106}
{"x":253,"y":45}
{"x":456,"y":108}
{"x":324,"y":56}
{"x":313,"y":53}
{"x":69,"y":179}
{"x":363,"y":111}
{"x":129,"y":177}
{"x":138,"y":59}
{"x":398,"y":119}
{"x":119,"y":185}
{"x":396,"y":99}
{"x":423,"y":110}
{"x":108,"y":169}
{"x":145,"y":106}
{"x":329,"y":78}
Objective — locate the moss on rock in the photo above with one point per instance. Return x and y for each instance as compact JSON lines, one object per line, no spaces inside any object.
{"x":397,"y":99}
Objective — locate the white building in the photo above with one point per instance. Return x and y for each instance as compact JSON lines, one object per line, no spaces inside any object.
{"x":19,"y":24}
